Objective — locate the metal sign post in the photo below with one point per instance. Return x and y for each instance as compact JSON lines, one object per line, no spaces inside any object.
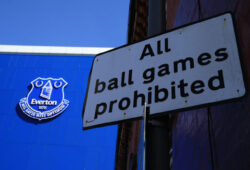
{"x":145,"y":119}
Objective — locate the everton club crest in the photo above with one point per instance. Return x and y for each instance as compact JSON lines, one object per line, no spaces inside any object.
{"x":45,"y":99}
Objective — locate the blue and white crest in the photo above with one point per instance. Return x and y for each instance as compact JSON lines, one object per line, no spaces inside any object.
{"x":45,"y":99}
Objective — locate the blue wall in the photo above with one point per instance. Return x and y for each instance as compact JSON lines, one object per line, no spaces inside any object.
{"x":59,"y":143}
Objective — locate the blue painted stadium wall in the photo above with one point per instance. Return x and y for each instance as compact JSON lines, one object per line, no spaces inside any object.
{"x":59,"y":143}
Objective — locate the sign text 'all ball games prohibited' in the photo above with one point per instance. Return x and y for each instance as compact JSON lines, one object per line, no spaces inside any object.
{"x":190,"y":66}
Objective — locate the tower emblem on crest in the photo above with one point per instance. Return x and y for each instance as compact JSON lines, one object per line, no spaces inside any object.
{"x":46,"y":99}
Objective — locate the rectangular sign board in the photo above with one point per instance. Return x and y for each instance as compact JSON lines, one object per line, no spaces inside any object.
{"x":189,"y":66}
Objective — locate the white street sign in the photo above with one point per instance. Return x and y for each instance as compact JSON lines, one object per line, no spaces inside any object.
{"x":190,"y":66}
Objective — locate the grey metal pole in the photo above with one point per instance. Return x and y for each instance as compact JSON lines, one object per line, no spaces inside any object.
{"x":156,"y":17}
{"x":144,"y":136}
{"x":157,"y":145}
